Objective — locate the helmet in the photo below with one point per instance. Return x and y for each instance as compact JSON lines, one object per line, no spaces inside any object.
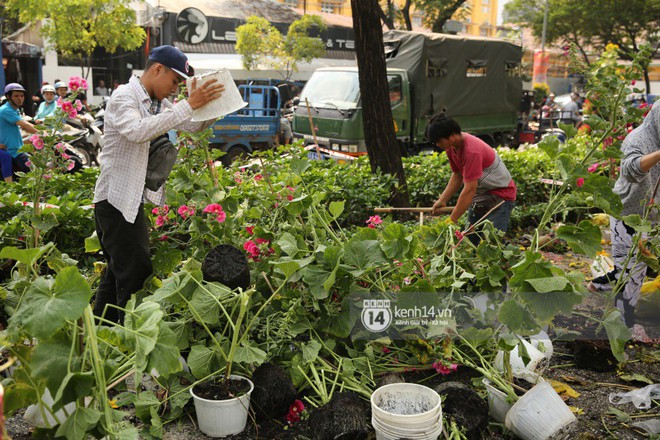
{"x":48,"y":88}
{"x":61,"y":84}
{"x":14,"y":87}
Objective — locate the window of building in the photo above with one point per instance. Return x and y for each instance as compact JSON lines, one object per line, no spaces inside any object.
{"x":485,"y":2}
{"x":485,"y":9}
{"x":417,"y":20}
{"x":292,"y":3}
{"x":476,"y":68}
{"x":329,"y":7}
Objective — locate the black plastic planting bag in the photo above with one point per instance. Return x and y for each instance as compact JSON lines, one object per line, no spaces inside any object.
{"x":162,"y":155}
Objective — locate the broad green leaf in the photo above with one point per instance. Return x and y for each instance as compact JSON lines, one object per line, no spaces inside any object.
{"x":50,"y":362}
{"x":618,"y":334}
{"x":332,"y":256}
{"x":249,"y":353}
{"x":317,"y":278}
{"x":47,"y":306}
{"x":203,"y":361}
{"x":547,"y":305}
{"x":181,"y":283}
{"x":621,"y":416}
{"x":164,"y":358}
{"x":336,"y":208}
{"x":45,"y":221}
{"x":551,"y":284}
{"x":146,"y":400}
{"x":180,"y":330}
{"x":638,"y":223}
{"x":584,"y":238}
{"x":92,"y":243}
{"x":76,"y":426}
{"x":21,"y":392}
{"x":517,"y":318}
{"x":636,"y":377}
{"x":144,"y":325}
{"x":287,"y":268}
{"x":310,"y":350}
{"x":531,"y":266}
{"x":28,"y":257}
{"x":205,"y":302}
{"x":363,"y":255}
{"x":165,"y":259}
{"x":289,"y":244}
{"x":396,"y":242}
{"x":298,"y":166}
{"x":74,"y":386}
{"x":603,"y":196}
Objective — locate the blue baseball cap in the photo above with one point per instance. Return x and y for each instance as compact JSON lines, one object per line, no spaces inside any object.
{"x":172,"y":57}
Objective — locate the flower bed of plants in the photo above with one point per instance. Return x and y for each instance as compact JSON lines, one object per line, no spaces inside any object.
{"x":315,"y":251}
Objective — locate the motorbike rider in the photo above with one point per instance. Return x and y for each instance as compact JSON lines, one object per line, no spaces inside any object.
{"x":48,"y":106}
{"x":61,"y":89}
{"x":11,"y":122}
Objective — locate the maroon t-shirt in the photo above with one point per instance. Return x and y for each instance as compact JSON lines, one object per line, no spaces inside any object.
{"x":471,"y":161}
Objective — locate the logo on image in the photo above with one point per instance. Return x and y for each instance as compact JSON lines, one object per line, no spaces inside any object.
{"x":376,"y":315}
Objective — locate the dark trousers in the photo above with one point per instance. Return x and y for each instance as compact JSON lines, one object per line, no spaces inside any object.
{"x":499,"y":218}
{"x":126,"y":248}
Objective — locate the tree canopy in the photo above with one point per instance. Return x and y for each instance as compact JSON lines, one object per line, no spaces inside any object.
{"x":435,"y":12}
{"x":593,"y":25}
{"x":76,"y":27}
{"x":258,"y":42}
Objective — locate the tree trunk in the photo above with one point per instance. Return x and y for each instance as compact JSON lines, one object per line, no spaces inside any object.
{"x":380,"y":138}
{"x":406,"y":15}
{"x":386,"y":16}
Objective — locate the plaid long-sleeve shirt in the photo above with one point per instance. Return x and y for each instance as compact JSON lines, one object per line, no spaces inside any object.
{"x":129,"y":127}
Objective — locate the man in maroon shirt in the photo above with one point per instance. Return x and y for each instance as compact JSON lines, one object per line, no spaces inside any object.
{"x":477,"y":167}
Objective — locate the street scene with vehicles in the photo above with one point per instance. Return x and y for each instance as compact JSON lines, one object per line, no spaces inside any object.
{"x":352,"y":220}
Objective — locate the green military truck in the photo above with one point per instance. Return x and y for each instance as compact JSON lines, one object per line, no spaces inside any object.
{"x":476,"y":80}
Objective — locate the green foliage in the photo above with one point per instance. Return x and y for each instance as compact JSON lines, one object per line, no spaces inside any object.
{"x":258,"y":42}
{"x":77,"y":27}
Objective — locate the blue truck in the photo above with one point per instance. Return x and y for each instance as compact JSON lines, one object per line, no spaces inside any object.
{"x":254,"y":127}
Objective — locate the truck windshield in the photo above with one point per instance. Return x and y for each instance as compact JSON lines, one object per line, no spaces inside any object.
{"x":332,"y":89}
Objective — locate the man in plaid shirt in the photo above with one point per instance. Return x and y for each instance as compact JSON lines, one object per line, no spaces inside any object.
{"x":137,"y":113}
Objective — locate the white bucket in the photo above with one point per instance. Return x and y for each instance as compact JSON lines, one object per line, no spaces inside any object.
{"x":541,"y":341}
{"x":530,"y":372}
{"x":220,"y":418}
{"x":498,"y":406}
{"x":539,"y":414}
{"x":230,"y":101}
{"x":406,"y":410}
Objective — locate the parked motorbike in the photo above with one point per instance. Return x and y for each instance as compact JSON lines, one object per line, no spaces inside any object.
{"x":87,"y":137}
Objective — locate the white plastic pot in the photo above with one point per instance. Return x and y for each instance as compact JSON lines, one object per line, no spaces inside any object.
{"x":541,"y":341}
{"x":220,"y":418}
{"x":498,"y":405}
{"x":539,"y":414}
{"x":406,"y":410}
{"x":530,"y":372}
{"x":231,"y":98}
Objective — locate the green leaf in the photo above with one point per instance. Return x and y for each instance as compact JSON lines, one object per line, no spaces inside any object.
{"x":604,"y":197}
{"x":396,"y":242}
{"x":92,"y":244}
{"x":310,"y":351}
{"x":74,"y":386}
{"x":636,"y":377}
{"x":618,"y":334}
{"x":545,"y":285}
{"x":317,"y":279}
{"x":76,"y":426}
{"x":584,"y":238}
{"x":146,"y":400}
{"x":336,"y":208}
{"x":203,"y":361}
{"x":547,"y":305}
{"x":298,"y":166}
{"x":621,"y":416}
{"x":363,"y":255}
{"x":638,"y":223}
{"x":530,"y":267}
{"x":28,"y":257}
{"x":205,"y":301}
{"x":164,"y":358}
{"x":22,"y":392}
{"x":45,"y":221}
{"x":47,"y":306}
{"x":289,"y":244}
{"x":517,"y":318}
{"x":180,"y":330}
{"x":287,"y":268}
{"x":182,"y":283}
{"x":249,"y":353}
{"x":144,"y":325}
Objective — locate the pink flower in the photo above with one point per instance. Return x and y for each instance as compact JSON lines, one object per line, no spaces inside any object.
{"x":163,"y":237}
{"x":60,"y":147}
{"x":444,"y":369}
{"x":70,"y":165}
{"x":607,"y":142}
{"x":166,"y":209}
{"x":28,"y":163}
{"x":160,"y":221}
{"x":373,"y":221}
{"x":78,"y":105}
{"x":251,"y":248}
{"x":459,"y":235}
{"x":289,"y":197}
{"x":37,"y":141}
{"x":237,"y":177}
{"x":579,"y":182}
{"x":592,"y":168}
{"x":83,"y":84}
{"x":59,"y":101}
{"x":73,"y":113}
{"x":386,"y":350}
{"x":65,"y":156}
{"x":155,"y":211}
{"x":186,"y":211}
{"x":290,"y":188}
{"x":249,"y":230}
{"x":213,"y":208}
{"x":67,"y":106}
{"x":633,"y":82}
{"x":47,"y":176}
{"x":258,"y":177}
{"x":222,"y":216}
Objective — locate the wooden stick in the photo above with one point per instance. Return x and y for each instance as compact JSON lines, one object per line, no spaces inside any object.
{"x":311,"y":126}
{"x":445,"y":210}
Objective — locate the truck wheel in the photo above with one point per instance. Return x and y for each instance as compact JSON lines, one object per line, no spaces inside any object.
{"x":235,"y":153}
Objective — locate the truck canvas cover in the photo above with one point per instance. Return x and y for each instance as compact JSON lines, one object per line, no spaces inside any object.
{"x":463,"y":75}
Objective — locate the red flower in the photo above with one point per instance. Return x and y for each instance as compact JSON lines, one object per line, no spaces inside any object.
{"x":295,"y":410}
{"x":592,"y":168}
{"x":262,"y":241}
{"x":579,"y":182}
{"x":289,"y":197}
{"x":258,"y":177}
{"x":249,"y":230}
{"x":444,"y":369}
